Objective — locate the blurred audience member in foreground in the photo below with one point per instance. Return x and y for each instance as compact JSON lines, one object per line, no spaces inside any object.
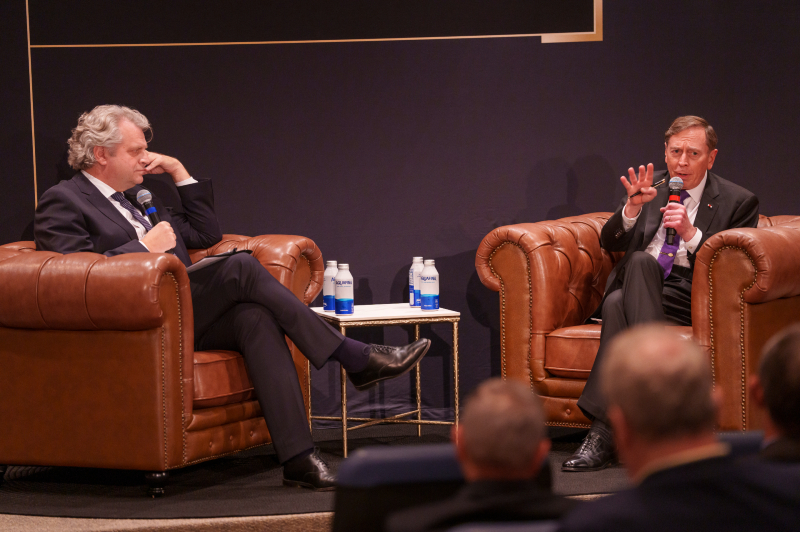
{"x":663,"y":410}
{"x":502,"y":447}
{"x":776,"y":389}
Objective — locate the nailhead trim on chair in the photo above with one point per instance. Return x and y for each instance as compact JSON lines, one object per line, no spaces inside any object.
{"x":180,"y":364}
{"x":741,"y":325}
{"x":503,"y":311}
{"x":164,"y":394}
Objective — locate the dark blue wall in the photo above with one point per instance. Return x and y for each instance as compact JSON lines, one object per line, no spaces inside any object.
{"x":380,"y":151}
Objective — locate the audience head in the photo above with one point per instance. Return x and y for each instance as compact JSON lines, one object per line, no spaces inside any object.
{"x":100,"y":128}
{"x":501,"y":433}
{"x":659,"y":392}
{"x":777,"y":386}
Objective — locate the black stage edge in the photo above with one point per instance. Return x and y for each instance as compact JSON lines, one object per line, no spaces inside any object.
{"x":245,"y":484}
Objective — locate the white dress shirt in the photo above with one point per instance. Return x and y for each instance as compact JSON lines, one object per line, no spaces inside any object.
{"x":692,"y":204}
{"x":107,"y":191}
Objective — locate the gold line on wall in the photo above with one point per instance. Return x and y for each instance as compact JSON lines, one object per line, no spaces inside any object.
{"x":30,"y":83}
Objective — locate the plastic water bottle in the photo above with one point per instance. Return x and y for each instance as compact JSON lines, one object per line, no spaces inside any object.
{"x":329,"y":286}
{"x":344,"y":290}
{"x":416,"y":267}
{"x":429,"y":286}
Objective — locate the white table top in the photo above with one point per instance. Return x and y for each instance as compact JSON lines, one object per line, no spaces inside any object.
{"x":386,"y":312}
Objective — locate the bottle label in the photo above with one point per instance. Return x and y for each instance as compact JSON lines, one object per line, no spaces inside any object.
{"x":328,"y":302}
{"x":417,"y":298}
{"x":430,"y":302}
{"x":344,"y":307}
{"x":411,"y":287}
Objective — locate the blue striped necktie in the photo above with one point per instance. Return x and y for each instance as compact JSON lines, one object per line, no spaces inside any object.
{"x":119,"y":197}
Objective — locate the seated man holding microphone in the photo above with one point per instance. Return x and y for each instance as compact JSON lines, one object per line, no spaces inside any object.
{"x":653,"y":281}
{"x":238,"y":305}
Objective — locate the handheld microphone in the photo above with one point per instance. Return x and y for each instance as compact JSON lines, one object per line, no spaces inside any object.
{"x":675,"y":186}
{"x":145,"y":199}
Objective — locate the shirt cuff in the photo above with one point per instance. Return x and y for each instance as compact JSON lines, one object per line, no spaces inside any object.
{"x":692,"y":244}
{"x":148,"y":249}
{"x":187,"y":181}
{"x":628,"y":223}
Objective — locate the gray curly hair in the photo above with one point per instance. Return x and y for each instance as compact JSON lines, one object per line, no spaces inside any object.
{"x":100,"y":127}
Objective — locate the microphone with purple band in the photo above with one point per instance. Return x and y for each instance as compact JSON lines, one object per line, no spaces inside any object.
{"x":145,"y":199}
{"x":675,"y":186}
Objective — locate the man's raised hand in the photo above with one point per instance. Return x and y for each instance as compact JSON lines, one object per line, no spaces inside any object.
{"x":641,"y":186}
{"x":160,"y":239}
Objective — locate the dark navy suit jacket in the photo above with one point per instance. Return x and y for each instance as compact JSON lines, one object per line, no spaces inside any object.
{"x":723,"y":205}
{"x":74,"y":216}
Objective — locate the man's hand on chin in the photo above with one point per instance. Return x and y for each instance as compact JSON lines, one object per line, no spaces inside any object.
{"x":160,"y":164}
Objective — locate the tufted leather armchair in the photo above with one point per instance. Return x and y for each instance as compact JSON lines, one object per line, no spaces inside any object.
{"x":551,"y":275}
{"x":97,"y":366}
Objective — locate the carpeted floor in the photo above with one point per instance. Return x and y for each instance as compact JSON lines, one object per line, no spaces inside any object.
{"x":245,"y":484}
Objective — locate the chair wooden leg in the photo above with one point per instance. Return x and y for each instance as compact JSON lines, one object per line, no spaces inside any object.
{"x":156,"y":482}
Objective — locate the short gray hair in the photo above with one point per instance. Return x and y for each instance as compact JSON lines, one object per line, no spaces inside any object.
{"x":100,"y":127}
{"x":779,"y":373}
{"x":660,"y":381}
{"x":502,"y":425}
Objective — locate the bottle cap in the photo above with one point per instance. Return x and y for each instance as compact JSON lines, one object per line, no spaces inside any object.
{"x":429,"y":262}
{"x":344,"y":266}
{"x":417,"y":260}
{"x":330,"y":263}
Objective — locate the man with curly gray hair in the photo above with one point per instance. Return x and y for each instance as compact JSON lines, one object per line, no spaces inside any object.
{"x":238,"y":305}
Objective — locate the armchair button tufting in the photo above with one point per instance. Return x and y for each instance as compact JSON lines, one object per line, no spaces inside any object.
{"x":569,"y":411}
{"x":252,"y":433}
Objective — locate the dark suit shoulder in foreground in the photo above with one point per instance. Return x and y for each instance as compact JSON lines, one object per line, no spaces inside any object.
{"x":716,"y":494}
{"x":484,"y":501}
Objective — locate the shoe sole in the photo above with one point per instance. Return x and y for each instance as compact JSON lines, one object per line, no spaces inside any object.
{"x":303,"y":485}
{"x":374,"y":382}
{"x":584,"y":469}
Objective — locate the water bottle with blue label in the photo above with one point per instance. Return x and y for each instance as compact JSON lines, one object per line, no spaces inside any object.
{"x":416,"y":266}
{"x":344,"y":290}
{"x":429,"y":287}
{"x":329,"y":286}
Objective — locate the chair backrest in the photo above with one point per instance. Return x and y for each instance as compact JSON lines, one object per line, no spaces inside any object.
{"x":379,"y":480}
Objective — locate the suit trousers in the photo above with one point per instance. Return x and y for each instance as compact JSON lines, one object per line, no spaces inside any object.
{"x":645,"y":296}
{"x":238,"y":305}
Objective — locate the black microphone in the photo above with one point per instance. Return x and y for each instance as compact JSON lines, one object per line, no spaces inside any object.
{"x":145,"y":199}
{"x":675,"y":186}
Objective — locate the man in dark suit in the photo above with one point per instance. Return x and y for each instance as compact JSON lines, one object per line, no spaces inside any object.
{"x":237,"y":303}
{"x":653,"y":281}
{"x":502,"y":448}
{"x":662,"y":408}
{"x":776,"y":391}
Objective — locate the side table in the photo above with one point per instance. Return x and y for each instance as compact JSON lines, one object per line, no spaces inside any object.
{"x":392,"y":315}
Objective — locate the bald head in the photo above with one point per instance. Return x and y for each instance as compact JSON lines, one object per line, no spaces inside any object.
{"x":661,"y":383}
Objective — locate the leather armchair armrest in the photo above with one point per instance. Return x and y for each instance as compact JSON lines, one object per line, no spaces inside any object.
{"x":549,"y":275}
{"x":294,"y":260}
{"x":87,"y":291}
{"x":745,"y":289}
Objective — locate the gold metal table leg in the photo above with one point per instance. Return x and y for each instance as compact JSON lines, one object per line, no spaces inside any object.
{"x":455,"y":370}
{"x":419,"y":390}
{"x":342,"y":329}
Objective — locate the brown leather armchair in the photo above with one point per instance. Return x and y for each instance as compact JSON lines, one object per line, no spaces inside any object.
{"x":97,"y":366}
{"x":551,"y":275}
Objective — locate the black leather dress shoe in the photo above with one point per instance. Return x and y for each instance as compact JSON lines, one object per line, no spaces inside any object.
{"x":310,"y":472}
{"x":596,"y":452}
{"x":387,"y":362}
